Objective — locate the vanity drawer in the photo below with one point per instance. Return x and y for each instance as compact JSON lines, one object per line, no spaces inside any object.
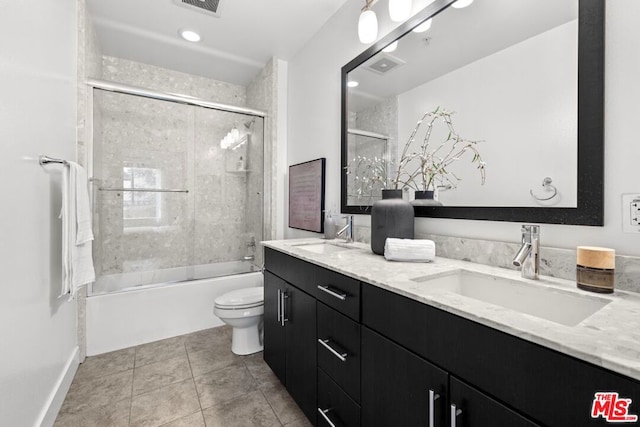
{"x":339,"y":292}
{"x":339,"y":349}
{"x":334,"y":403}
{"x":295,"y":271}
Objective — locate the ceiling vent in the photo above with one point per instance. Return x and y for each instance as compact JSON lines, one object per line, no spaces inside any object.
{"x":210,"y":7}
{"x":383,"y":63}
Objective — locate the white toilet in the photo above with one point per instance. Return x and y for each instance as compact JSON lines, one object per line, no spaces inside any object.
{"x":243,"y":309}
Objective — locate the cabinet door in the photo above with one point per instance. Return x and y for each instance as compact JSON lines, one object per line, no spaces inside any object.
{"x":396,"y":385}
{"x":274,"y":333}
{"x":473,"y":408}
{"x":300,"y":312}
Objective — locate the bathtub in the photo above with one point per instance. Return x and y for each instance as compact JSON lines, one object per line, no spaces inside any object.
{"x":135,"y":314}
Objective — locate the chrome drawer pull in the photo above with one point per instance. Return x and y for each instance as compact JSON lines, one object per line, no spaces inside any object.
{"x":454,"y":413}
{"x":283,"y":316}
{"x":323,"y":412}
{"x":325,"y":343}
{"x":326,"y":289}
{"x":279,"y":305}
{"x":433,"y":396}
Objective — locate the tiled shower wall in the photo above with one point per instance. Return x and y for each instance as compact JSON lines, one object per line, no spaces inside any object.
{"x":215,"y":219}
{"x":381,"y":118}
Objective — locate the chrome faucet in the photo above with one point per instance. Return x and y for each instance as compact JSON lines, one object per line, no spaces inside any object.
{"x":346,"y":232}
{"x":528,"y":257}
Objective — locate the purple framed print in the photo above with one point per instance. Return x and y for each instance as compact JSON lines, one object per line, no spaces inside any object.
{"x":306,"y":195}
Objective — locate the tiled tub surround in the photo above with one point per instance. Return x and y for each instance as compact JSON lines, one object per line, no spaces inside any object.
{"x":190,"y":380}
{"x":554,"y":262}
{"x":609,"y":338}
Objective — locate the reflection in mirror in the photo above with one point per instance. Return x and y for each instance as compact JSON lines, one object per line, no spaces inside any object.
{"x":508,"y":70}
{"x":368,"y":166}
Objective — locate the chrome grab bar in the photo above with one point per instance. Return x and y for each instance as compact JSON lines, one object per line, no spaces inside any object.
{"x":146,"y":190}
{"x":340,"y":296}
{"x":325,"y":343}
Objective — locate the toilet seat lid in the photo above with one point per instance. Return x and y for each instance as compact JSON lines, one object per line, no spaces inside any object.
{"x":241,"y":298}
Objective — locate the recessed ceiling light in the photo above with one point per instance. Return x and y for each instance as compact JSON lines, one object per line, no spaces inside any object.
{"x":461,"y":3}
{"x":393,"y":46}
{"x":424,"y":26}
{"x":352,"y":83}
{"x":189,"y":35}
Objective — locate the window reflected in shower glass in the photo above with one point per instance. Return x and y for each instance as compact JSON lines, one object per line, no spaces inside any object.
{"x":140,"y":208}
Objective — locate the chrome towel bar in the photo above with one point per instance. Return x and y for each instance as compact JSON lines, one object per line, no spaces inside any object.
{"x":45,"y":160}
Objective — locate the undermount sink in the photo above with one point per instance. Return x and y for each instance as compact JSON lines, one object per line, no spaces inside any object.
{"x":322,"y":248}
{"x":557,"y":306}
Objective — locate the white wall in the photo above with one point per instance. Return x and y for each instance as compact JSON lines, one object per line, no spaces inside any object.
{"x":37,"y":116}
{"x":314,"y":126}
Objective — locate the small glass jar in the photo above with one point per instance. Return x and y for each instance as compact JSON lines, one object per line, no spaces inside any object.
{"x":599,"y":280}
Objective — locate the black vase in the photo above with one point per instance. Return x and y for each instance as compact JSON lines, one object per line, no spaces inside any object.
{"x":390,"y":217}
{"x":425,"y":198}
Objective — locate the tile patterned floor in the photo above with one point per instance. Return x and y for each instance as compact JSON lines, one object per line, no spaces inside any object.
{"x":187,"y":381}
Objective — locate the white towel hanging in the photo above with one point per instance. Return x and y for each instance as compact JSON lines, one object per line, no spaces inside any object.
{"x":77,"y":259}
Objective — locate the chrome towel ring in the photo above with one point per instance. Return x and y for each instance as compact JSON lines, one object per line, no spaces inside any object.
{"x":546,"y":184}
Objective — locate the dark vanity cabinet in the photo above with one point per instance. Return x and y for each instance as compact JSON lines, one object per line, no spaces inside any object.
{"x":353,"y":354}
{"x":289,"y":339}
{"x":495,"y":379}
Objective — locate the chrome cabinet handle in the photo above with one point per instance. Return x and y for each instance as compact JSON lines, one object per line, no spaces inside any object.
{"x":323,"y":412}
{"x":433,"y":396}
{"x":279,"y":305}
{"x":283,"y":316}
{"x":325,"y":343}
{"x":340,"y":296}
{"x":454,"y":413}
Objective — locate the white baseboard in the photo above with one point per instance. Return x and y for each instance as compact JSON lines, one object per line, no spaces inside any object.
{"x":54,"y":403}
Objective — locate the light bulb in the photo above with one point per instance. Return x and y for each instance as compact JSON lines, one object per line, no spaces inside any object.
{"x":189,"y":35}
{"x":367,"y":26}
{"x":461,"y":3}
{"x":235,"y":134}
{"x":393,"y":46}
{"x":399,"y":10}
{"x":424,"y":26}
{"x":352,"y":83}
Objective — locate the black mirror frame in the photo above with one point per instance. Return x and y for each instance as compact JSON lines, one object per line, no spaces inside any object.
{"x":590,"y":202}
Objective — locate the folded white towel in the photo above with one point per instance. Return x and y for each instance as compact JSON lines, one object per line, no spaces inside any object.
{"x":409,"y":250}
{"x":77,"y":259}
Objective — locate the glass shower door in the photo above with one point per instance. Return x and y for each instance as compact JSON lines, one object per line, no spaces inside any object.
{"x":171,"y":202}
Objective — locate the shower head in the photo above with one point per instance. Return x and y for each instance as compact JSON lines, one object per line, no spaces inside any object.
{"x":249,"y":123}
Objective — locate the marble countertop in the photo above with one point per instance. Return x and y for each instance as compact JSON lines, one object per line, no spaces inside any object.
{"x":609,"y":338}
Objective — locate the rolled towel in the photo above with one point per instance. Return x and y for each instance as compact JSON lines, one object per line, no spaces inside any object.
{"x":409,"y":250}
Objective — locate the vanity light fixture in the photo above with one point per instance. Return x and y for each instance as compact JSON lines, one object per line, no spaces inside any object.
{"x":461,"y":3}
{"x":190,"y":35}
{"x":424,"y":26}
{"x":352,"y":83}
{"x":399,"y":10}
{"x":368,"y":24}
{"x":393,"y":46}
{"x":232,"y":140}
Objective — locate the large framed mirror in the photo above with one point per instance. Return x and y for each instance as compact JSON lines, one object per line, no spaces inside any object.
{"x":524,"y":83}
